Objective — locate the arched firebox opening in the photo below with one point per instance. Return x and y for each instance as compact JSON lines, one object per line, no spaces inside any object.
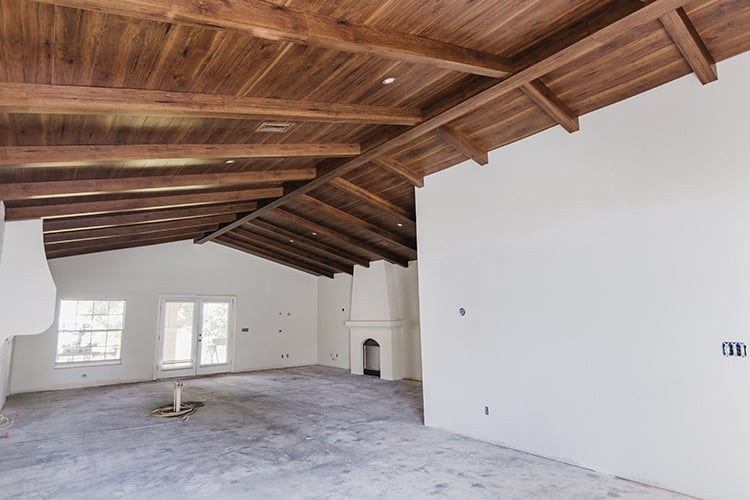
{"x":371,"y":357}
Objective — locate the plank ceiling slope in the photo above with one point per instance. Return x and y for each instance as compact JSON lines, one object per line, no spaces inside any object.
{"x":271,"y":127}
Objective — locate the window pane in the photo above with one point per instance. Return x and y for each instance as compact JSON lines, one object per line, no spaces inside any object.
{"x":89,"y":330}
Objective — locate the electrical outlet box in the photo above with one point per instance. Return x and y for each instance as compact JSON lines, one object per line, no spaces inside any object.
{"x":736,"y":349}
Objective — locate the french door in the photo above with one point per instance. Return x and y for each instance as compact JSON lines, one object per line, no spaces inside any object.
{"x":195,"y":337}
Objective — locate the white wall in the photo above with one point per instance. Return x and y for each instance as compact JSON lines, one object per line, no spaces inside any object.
{"x":387,"y":292}
{"x":600,"y":273}
{"x":334,"y":300}
{"x":263,"y":290}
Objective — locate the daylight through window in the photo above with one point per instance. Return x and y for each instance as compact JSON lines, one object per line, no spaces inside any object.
{"x":90,"y":330}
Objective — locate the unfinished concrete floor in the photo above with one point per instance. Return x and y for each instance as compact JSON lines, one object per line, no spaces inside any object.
{"x":309,"y":432}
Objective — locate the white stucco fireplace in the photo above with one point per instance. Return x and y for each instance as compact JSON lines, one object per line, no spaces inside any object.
{"x":388,"y":334}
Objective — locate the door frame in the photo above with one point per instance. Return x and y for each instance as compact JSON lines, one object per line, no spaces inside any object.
{"x":196,"y":369}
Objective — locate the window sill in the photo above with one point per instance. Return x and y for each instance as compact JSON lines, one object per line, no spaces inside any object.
{"x":86,"y":364}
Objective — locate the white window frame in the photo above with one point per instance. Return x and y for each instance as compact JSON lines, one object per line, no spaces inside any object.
{"x":90,"y":362}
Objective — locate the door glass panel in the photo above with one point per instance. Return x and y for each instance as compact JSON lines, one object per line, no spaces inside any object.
{"x":214,"y":333}
{"x":177,"y":349}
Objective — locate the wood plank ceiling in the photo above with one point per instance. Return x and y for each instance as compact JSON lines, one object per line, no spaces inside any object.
{"x":126,"y":123}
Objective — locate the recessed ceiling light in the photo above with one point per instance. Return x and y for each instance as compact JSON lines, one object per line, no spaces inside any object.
{"x":314,"y":233}
{"x":229,"y":161}
{"x":389,"y":80}
{"x":400,"y":225}
{"x":291,"y":241}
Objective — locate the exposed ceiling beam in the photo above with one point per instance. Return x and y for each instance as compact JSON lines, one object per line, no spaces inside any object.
{"x":277,"y":22}
{"x":77,"y":100}
{"x":345,"y":238}
{"x":691,"y":45}
{"x":405,"y":244}
{"x":116,"y":240}
{"x":463,"y":144}
{"x":92,"y":207}
{"x":288,"y":250}
{"x":105,"y":232}
{"x":327,"y":251}
{"x":132,"y":243}
{"x":229,"y":241}
{"x":551,"y":104}
{"x":592,"y":40}
{"x":374,"y":200}
{"x":401,"y":170}
{"x":20,"y":155}
{"x":228,"y":210}
{"x":78,"y":187}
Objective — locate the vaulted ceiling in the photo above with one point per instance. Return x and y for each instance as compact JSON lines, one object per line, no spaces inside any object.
{"x":297,"y":130}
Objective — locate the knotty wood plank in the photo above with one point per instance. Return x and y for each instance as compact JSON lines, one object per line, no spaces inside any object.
{"x":406,"y":244}
{"x":85,"y":234}
{"x":327,"y":251}
{"x":332,"y":233}
{"x":463,"y":144}
{"x":79,"y":100}
{"x":691,"y":45}
{"x":20,"y":155}
{"x":228,"y":210}
{"x":531,"y":71}
{"x":92,"y":207}
{"x":243,"y":246}
{"x":551,"y":104}
{"x":396,"y":167}
{"x":288,"y":249}
{"x":276,"y":22}
{"x":20,"y":190}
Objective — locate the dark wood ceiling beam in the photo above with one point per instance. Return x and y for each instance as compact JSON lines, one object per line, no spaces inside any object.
{"x":78,"y":187}
{"x":691,"y":45}
{"x":231,"y":242}
{"x":288,"y":250}
{"x":374,"y":200}
{"x":21,"y":155}
{"x":462,"y":144}
{"x":201,"y":223}
{"x":104,"y":247}
{"x":276,"y":22}
{"x":101,"y":206}
{"x":399,"y":169}
{"x":125,"y":238}
{"x":406,"y":244}
{"x":327,"y":251}
{"x":594,"y":38}
{"x":228,"y":211}
{"x":77,"y":100}
{"x":551,"y":104}
{"x":345,"y":238}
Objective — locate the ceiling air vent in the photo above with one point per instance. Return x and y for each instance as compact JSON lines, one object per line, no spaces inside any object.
{"x":275,"y":127}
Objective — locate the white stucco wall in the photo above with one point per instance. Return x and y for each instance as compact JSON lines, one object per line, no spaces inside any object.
{"x":600,"y":273}
{"x":270,"y":298}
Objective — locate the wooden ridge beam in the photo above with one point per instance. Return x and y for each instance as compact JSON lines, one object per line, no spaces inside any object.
{"x":131,"y":243}
{"x":288,"y":250}
{"x":323,"y":249}
{"x":79,"y":100}
{"x":399,"y":169}
{"x":332,"y":233}
{"x":231,"y":242}
{"x":77,"y":187}
{"x":137,"y":229}
{"x":462,"y":144}
{"x":691,"y":45}
{"x":551,"y":104}
{"x":100,"y":206}
{"x":405,"y":244}
{"x":225,"y":210}
{"x":271,"y":21}
{"x":374,"y":200}
{"x":21,"y":155}
{"x":594,"y":39}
